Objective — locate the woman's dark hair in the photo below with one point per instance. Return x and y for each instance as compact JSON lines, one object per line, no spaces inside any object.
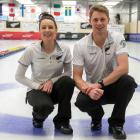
{"x":46,"y":15}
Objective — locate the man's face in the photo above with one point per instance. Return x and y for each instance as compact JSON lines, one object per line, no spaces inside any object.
{"x":99,"y":21}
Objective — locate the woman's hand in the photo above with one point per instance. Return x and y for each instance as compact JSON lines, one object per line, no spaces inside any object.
{"x":47,"y":86}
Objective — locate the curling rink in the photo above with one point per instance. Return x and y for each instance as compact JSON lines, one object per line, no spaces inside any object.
{"x":16,"y":117}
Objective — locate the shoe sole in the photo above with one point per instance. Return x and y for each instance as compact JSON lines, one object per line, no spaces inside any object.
{"x":96,"y":129}
{"x":116,"y":137}
{"x":64,"y":132}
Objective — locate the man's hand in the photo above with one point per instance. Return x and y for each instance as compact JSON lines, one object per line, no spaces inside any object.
{"x":91,"y":87}
{"x":95,"y":93}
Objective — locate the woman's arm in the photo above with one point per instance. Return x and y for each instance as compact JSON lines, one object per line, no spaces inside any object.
{"x":21,"y":78}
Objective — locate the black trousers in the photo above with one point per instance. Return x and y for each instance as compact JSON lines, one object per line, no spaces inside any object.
{"x":118,"y":93}
{"x":43,"y":103}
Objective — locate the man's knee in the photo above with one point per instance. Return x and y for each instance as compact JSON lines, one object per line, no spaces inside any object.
{"x":128,"y":82}
{"x":82,"y":102}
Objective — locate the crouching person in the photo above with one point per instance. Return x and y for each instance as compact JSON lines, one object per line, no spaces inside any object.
{"x":50,"y":81}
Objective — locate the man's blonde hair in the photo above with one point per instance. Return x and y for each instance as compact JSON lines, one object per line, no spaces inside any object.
{"x":99,"y":8}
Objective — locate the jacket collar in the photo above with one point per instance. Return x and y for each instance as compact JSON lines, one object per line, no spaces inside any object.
{"x":92,"y":47}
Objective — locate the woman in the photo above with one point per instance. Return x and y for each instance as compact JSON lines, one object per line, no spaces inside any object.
{"x":48,"y":85}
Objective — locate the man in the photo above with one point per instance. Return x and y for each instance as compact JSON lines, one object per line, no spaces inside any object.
{"x":103,"y":56}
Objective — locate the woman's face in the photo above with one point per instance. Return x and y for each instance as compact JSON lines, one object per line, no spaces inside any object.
{"x":48,"y":30}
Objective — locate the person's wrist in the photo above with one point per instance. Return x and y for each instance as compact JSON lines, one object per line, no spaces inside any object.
{"x":101,"y":82}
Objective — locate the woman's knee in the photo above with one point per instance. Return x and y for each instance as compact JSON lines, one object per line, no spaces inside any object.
{"x":67,"y":81}
{"x":41,"y":112}
{"x":48,"y":108}
{"x":66,"y":85}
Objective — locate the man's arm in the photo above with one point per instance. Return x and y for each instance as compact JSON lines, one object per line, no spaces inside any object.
{"x":85,"y":87}
{"x":121,"y":69}
{"x":77,"y":76}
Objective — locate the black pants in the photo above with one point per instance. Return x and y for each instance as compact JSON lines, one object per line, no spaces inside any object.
{"x":118,"y":93}
{"x":43,"y":103}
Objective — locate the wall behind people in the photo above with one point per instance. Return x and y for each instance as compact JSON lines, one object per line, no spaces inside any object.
{"x":128,"y":16}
